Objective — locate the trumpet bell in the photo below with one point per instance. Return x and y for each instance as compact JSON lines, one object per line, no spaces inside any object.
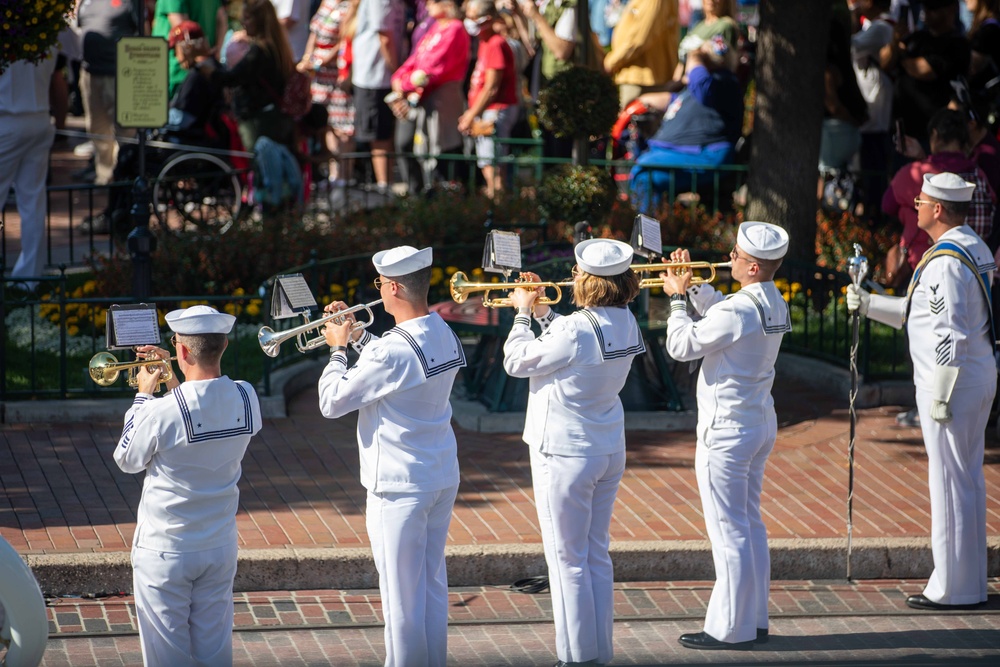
{"x":269,"y":341}
{"x":102,"y":369}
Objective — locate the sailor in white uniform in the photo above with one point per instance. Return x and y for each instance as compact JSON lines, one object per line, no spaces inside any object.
{"x":191,"y":443}
{"x":950,"y":330}
{"x":401,"y":386}
{"x":575,"y":429}
{"x":737,"y":339}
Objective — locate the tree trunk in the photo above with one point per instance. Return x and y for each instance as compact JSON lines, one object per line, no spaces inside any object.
{"x":788,"y":115}
{"x":581,"y":145}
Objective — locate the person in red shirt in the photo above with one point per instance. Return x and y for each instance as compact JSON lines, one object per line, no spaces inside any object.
{"x":427,"y":96}
{"x":493,"y":101}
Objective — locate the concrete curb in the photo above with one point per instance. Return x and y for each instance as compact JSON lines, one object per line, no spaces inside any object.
{"x":482,"y":565}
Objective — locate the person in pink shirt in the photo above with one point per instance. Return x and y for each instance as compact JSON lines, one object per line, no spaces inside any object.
{"x":493,"y":99}
{"x":427,"y":92}
{"x":949,"y":143}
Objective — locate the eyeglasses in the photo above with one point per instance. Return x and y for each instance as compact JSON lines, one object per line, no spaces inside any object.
{"x":378,"y":282}
{"x":173,"y":341}
{"x":917,"y":201}
{"x":576,"y":271}
{"x":733,"y":255}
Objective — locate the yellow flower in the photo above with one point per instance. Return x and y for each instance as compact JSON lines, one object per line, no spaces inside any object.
{"x":41,"y":35}
{"x":72,"y":330}
{"x":253,"y":309}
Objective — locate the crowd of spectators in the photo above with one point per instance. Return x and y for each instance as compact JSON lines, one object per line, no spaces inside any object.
{"x":411,"y":82}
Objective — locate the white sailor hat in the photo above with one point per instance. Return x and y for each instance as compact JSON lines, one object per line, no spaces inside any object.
{"x":762,"y":240}
{"x":947,"y":187}
{"x":199,"y":320}
{"x":603,"y":257}
{"x":402,"y":260}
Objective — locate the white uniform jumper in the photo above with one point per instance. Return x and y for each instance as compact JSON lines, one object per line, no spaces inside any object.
{"x":948,"y":326}
{"x":738,"y":339}
{"x":575,"y":428}
{"x":401,"y":386}
{"x":191,"y":443}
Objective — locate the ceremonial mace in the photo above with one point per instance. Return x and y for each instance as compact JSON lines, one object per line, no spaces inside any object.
{"x":857,"y":268}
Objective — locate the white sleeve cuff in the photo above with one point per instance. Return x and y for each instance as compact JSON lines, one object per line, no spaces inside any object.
{"x":943,"y":383}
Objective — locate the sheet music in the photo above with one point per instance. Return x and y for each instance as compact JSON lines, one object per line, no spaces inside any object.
{"x":646,"y":236}
{"x":134,"y":326}
{"x":291,"y":296}
{"x":506,"y":249}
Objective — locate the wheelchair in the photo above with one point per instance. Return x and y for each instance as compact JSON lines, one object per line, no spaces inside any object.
{"x":197,"y":182}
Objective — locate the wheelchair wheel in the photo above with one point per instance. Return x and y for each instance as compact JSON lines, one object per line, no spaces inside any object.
{"x":197,"y":189}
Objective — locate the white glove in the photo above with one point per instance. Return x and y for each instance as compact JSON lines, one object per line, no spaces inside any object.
{"x":857,"y":299}
{"x":943,"y":384}
{"x":940,"y":412}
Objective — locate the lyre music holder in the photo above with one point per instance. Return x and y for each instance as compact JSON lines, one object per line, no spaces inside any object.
{"x":291,"y":296}
{"x":646,"y":241}
{"x":502,"y":253}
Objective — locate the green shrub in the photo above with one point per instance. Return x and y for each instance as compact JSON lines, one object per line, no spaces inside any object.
{"x":190,"y":264}
{"x":571,"y":193}
{"x":579,"y":102}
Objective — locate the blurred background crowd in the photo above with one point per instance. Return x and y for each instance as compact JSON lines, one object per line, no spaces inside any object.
{"x":911,"y":87}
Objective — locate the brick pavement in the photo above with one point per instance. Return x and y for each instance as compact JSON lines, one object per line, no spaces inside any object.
{"x":62,"y":493}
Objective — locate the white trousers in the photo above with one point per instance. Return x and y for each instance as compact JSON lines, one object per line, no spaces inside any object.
{"x":99,"y":97}
{"x":184,"y":606}
{"x":408,"y":532}
{"x":958,"y":495}
{"x":25,"y":140}
{"x":729,"y":464}
{"x":575,"y":496}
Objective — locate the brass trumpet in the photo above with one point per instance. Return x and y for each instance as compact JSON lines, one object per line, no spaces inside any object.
{"x":271,"y":340}
{"x":105,"y":369}
{"x":461,"y":288}
{"x":710,"y":267}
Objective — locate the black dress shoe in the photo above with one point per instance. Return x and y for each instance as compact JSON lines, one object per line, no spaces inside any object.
{"x":921,"y":602}
{"x":761,"y":636}
{"x":703,"y":640}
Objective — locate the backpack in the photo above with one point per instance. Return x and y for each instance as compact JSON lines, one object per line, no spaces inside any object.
{"x":297,"y":97}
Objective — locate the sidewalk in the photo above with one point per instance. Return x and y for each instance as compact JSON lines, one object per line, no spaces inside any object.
{"x":811,"y":622}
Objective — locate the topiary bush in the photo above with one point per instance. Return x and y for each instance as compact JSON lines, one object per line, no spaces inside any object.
{"x":570,"y":193}
{"x":580,"y":103}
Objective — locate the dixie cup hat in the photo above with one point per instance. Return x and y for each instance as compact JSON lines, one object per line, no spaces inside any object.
{"x":762,"y":240}
{"x":402,"y":260}
{"x":603,"y":257}
{"x":199,"y":320}
{"x":948,"y":187}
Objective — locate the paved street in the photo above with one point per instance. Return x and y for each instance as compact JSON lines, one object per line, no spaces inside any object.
{"x":815,"y":622}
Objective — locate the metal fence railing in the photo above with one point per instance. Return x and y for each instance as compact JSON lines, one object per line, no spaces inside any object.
{"x":50,"y":338}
